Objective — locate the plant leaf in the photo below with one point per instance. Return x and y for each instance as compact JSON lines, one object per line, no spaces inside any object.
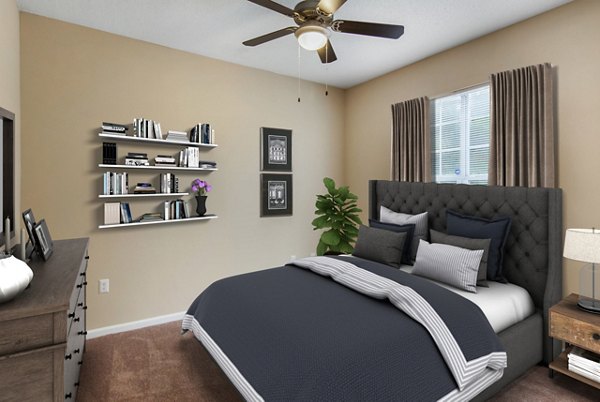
{"x":329,"y":184}
{"x":320,"y":222}
{"x":331,"y":237}
{"x":321,"y":248}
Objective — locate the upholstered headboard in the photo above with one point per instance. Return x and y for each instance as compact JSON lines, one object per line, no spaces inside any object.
{"x":533,"y":253}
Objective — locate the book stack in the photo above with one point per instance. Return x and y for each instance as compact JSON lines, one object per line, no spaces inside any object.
{"x":113,"y":129}
{"x":116,"y":183}
{"x":144,"y":128}
{"x":125,"y":213}
{"x":208,"y":164}
{"x":112,"y":213}
{"x":584,"y":363}
{"x":169,"y":183}
{"x":137,"y":159}
{"x":189,"y":157}
{"x":109,"y":153}
{"x":176,"y":209}
{"x":165,"y":160}
{"x":150,"y":217}
{"x":202,"y":134}
{"x":180,"y":136}
{"x":144,"y":188}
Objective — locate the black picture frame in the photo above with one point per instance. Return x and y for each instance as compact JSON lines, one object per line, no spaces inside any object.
{"x":276,"y":195}
{"x":275,"y":149}
{"x":30,"y":223}
{"x":43,"y":239}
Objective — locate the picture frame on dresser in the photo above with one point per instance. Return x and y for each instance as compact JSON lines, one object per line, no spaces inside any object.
{"x":43,"y":239}
{"x":30,"y":223}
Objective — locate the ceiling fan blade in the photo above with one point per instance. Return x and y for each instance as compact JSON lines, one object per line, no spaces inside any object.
{"x":330,"y":6}
{"x":270,"y":36}
{"x":368,"y":28}
{"x":271,"y":5}
{"x":327,"y":54}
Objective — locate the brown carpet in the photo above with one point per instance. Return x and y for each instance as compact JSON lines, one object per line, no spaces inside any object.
{"x":157,"y":364}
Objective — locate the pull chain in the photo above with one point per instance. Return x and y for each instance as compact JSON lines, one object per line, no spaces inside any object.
{"x":326,"y":66}
{"x":298,"y":73}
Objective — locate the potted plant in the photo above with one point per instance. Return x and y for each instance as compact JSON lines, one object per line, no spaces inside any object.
{"x":201,"y":188}
{"x":338,"y":213}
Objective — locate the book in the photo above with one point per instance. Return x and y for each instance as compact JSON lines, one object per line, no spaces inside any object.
{"x":112,"y":213}
{"x":114,"y":128}
{"x":141,"y":155}
{"x":125,"y":213}
{"x":136,"y":162}
{"x":150,"y":217}
{"x":109,"y":153}
{"x":122,"y":134}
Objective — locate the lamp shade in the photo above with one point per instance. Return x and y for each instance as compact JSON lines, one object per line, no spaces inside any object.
{"x":582,"y":245}
{"x":312,"y":36}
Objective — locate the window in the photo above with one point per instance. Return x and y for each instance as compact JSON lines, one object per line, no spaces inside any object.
{"x":460,"y":127}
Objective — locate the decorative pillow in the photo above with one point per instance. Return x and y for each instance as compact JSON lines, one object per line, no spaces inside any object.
{"x":420,"y":221}
{"x":470,"y":244}
{"x":380,"y":245}
{"x":448,"y":264}
{"x":408,"y":229}
{"x":495,"y":229}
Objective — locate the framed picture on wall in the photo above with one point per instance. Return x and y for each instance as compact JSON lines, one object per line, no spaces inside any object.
{"x":275,"y":149}
{"x":276,"y":195}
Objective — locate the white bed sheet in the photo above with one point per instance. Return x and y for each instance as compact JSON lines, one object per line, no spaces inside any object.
{"x":504,"y":304}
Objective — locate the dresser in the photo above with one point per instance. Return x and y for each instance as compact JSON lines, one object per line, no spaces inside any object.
{"x":42,"y":330}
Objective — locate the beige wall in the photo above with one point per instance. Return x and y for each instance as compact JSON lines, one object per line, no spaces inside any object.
{"x":10,"y":81}
{"x":74,"y":78}
{"x":567,"y":37}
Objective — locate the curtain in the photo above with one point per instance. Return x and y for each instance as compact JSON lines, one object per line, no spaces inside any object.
{"x":411,"y":141}
{"x":522,"y":145}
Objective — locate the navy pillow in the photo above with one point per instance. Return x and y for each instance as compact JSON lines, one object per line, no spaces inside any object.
{"x":409,"y":229}
{"x":475,"y":227}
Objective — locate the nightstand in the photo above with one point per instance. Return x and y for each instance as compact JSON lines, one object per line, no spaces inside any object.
{"x":574,"y":326}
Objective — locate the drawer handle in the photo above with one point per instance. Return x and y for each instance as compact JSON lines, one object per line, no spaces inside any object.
{"x":82,"y":284}
{"x":76,"y":384}
{"x":82,"y":274}
{"x":596,"y":337}
{"x":68,"y":357}
{"x":79,"y":362}
{"x":79,"y":286}
{"x":76,"y":319}
{"x":82,"y":306}
{"x":76,"y":350}
{"x":68,"y":396}
{"x":87,"y":257}
{"x":71,"y":315}
{"x":82,"y":333}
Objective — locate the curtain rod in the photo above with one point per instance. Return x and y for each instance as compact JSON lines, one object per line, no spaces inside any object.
{"x":460,"y":90}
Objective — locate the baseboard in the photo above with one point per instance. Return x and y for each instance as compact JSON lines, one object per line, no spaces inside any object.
{"x":130,"y":326}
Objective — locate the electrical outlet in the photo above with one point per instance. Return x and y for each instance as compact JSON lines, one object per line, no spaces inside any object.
{"x":103,"y":286}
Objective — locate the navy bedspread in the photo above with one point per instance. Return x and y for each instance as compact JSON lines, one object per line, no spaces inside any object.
{"x":296,"y":335}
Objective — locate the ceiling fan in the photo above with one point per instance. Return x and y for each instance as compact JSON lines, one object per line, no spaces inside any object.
{"x":315,"y":23}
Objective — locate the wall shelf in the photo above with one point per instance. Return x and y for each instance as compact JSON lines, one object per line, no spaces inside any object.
{"x":161,"y":222}
{"x":175,"y":195}
{"x":155,"y":141}
{"x":152,"y":167}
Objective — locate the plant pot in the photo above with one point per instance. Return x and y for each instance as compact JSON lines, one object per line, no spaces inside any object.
{"x":201,"y":205}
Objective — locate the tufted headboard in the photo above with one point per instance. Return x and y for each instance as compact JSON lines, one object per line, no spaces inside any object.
{"x":533,"y":253}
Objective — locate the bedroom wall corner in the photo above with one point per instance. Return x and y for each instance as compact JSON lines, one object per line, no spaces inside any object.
{"x":10,"y":84}
{"x":566,"y":37}
{"x":74,"y":78}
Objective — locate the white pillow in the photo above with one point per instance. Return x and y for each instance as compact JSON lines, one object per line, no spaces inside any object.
{"x":420,"y":221}
{"x":448,"y":264}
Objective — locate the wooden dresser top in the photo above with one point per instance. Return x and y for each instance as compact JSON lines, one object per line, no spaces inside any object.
{"x":53,"y":281}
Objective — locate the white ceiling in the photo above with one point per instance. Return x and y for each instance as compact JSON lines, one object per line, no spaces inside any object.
{"x":217,"y":28}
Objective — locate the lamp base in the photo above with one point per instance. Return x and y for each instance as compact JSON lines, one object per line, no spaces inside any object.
{"x":589,"y":305}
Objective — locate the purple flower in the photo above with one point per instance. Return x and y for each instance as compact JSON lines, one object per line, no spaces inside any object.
{"x":200,"y":187}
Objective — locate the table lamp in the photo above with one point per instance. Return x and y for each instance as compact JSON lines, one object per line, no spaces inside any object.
{"x":584,"y":245}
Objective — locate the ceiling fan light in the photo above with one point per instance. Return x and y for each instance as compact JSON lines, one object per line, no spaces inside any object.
{"x":312,"y":37}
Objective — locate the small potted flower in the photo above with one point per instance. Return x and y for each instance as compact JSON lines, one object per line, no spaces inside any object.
{"x":201,"y":188}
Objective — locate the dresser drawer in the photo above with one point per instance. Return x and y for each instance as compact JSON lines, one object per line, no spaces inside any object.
{"x":574,"y":331}
{"x":26,"y":333}
{"x":31,"y":375}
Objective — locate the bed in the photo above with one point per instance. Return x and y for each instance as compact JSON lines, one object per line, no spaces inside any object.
{"x":312,"y":346}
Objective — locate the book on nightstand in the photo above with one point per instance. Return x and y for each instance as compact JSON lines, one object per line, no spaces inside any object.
{"x":585,"y":363}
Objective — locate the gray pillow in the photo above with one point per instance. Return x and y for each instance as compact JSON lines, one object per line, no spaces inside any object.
{"x":448,"y":264}
{"x":380,"y":245}
{"x":420,"y":221}
{"x":468,"y":243}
